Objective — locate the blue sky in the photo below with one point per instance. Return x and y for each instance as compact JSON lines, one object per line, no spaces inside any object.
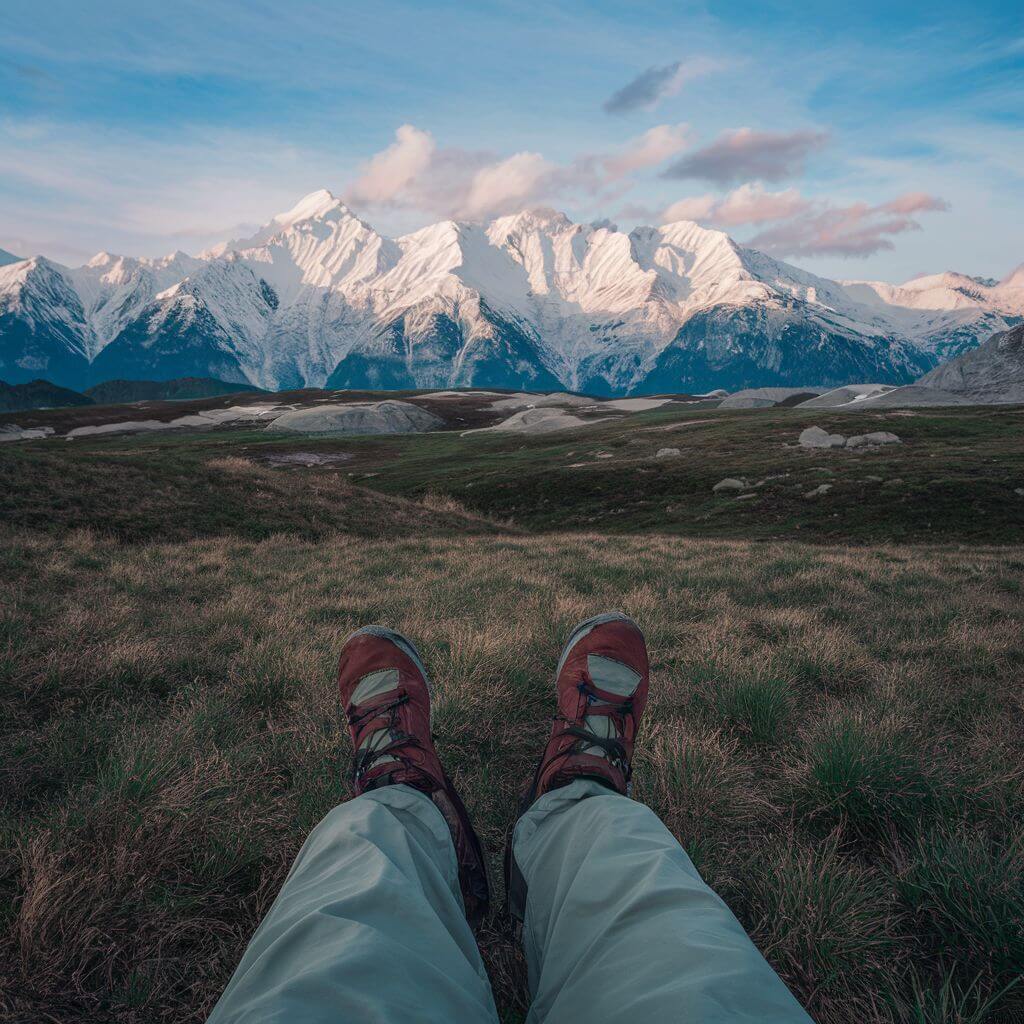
{"x":882,"y":141}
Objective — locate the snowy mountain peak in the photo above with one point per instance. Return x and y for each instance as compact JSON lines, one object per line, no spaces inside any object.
{"x":532,"y":300}
{"x":1015,"y":279}
{"x":316,"y":206}
{"x":539,"y":218}
{"x":102,"y":259}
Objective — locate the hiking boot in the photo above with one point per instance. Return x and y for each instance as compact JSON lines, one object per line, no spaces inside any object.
{"x":601,"y":688}
{"x":385,"y":691}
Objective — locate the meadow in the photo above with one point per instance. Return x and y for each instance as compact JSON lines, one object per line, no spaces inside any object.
{"x":835,"y":733}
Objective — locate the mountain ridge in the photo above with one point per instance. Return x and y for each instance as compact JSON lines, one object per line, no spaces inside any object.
{"x":532,"y":299}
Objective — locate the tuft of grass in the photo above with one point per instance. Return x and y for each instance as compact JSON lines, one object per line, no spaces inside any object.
{"x":863,"y":781}
{"x":827,"y":925}
{"x":698,"y":783}
{"x":965,"y":888}
{"x":950,"y":1002}
{"x":755,"y":711}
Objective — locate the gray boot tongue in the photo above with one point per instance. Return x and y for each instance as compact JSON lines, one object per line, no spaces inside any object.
{"x":373,"y":685}
{"x":612,"y":677}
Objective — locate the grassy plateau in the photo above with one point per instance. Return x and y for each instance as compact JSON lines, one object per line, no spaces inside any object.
{"x":835,"y":732}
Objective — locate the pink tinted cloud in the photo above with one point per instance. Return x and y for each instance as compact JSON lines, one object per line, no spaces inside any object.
{"x":857,"y":230}
{"x":749,"y":204}
{"x":753,"y":204}
{"x":387,"y":174}
{"x":655,"y":146}
{"x":747,"y":154}
{"x":915,"y":202}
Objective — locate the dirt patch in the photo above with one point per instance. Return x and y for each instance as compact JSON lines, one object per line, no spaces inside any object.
{"x":306,"y":458}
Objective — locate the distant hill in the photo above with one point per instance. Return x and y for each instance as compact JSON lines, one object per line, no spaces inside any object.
{"x":8,"y":257}
{"x":117,"y":392}
{"x":38,"y":394}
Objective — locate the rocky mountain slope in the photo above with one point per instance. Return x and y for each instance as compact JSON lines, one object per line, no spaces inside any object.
{"x":533,"y":300}
{"x":38,"y":394}
{"x":182,"y":389}
{"x":992,"y":373}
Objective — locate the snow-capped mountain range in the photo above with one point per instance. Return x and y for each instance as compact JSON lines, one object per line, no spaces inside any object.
{"x":318,"y":297}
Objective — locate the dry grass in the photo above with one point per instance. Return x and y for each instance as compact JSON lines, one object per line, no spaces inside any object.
{"x":836,"y":735}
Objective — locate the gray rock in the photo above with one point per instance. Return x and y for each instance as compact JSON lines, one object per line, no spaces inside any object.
{"x":198,"y":421}
{"x":815,"y":437}
{"x":874,"y":438}
{"x":729,"y":484}
{"x":388,"y":417}
{"x":991,"y":373}
{"x":908,"y":395}
{"x":763,"y":398}
{"x":819,"y":491}
{"x":12,"y":432}
{"x":845,"y":396}
{"x":668,"y":453}
{"x":537,"y":421}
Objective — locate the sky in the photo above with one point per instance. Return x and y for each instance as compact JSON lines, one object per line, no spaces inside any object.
{"x":877,"y":140}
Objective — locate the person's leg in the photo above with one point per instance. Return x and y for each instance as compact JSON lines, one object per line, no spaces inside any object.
{"x":617,"y":923}
{"x":371,"y":923}
{"x":369,"y":926}
{"x":619,"y":926}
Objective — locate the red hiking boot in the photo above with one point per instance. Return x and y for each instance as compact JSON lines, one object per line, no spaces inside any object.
{"x":601,"y":688}
{"x":385,"y":691}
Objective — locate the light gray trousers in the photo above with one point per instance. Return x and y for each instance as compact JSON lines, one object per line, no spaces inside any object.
{"x":369,"y":926}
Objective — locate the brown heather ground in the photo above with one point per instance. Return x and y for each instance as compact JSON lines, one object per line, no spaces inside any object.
{"x":836,"y":735}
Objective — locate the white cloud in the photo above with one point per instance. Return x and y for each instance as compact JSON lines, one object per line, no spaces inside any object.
{"x":753,"y":204}
{"x":749,"y":204}
{"x":692,"y":208}
{"x":386,"y":175}
{"x":522,"y":179}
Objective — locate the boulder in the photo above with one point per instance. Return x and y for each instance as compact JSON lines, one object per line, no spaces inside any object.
{"x":848,"y":395}
{"x":815,"y":437}
{"x":387,"y":417}
{"x":522,"y":400}
{"x":907,"y":395}
{"x":729,"y":484}
{"x":668,"y":453}
{"x":874,"y":438}
{"x":819,"y":491}
{"x":764,"y":398}
{"x":538,"y":421}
